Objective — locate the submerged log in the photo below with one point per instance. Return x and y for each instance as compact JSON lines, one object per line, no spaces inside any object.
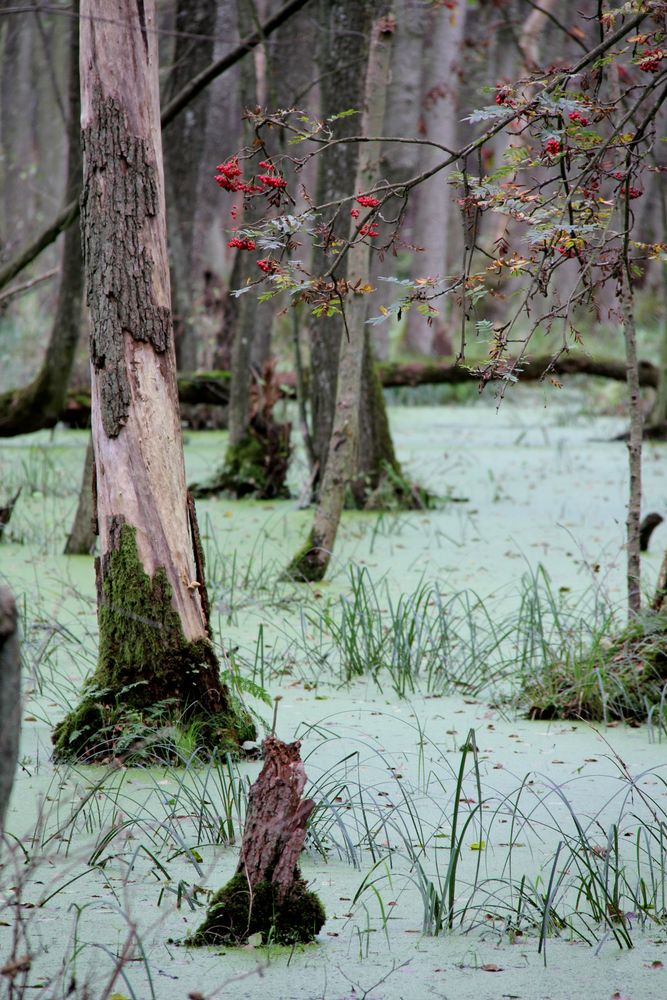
{"x":267,"y":894}
{"x":10,"y":698}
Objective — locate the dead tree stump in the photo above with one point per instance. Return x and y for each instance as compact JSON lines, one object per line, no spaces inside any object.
{"x":10,"y":698}
{"x":267,"y":894}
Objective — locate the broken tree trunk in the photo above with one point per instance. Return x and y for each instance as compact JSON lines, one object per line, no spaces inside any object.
{"x":267,"y":894}
{"x":157,"y":668}
{"x":10,"y":698}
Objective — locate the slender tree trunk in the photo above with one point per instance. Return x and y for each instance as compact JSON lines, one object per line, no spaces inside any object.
{"x":312,"y":562}
{"x":434,"y":205}
{"x":155,"y":655}
{"x":40,"y":403}
{"x":10,"y":698}
{"x":634,"y":446}
{"x":342,"y":58}
{"x":81,"y":539}
{"x":184,"y":146}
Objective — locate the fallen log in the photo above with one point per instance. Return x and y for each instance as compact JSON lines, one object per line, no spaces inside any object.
{"x":212,"y":388}
{"x":267,"y":895}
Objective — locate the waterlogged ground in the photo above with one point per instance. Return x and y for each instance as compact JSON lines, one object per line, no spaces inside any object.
{"x":525,"y":830}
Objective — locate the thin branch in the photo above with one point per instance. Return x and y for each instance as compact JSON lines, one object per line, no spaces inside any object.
{"x":19,"y":289}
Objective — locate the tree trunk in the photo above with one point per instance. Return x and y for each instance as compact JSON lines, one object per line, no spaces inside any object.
{"x":343,"y":54}
{"x":634,"y":446}
{"x":184,"y":145}
{"x":155,"y":663}
{"x":40,"y":403}
{"x":312,"y":561}
{"x":10,"y":698}
{"x":267,"y":895}
{"x":81,"y":539}
{"x":434,"y":205}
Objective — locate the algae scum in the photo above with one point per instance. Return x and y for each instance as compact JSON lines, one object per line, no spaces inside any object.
{"x":455,"y":845}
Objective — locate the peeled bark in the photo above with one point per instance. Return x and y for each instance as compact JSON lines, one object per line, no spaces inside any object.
{"x":10,"y":698}
{"x":40,"y":403}
{"x":267,"y":895}
{"x":155,"y":660}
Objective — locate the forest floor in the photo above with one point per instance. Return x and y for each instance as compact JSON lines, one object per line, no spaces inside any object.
{"x":543,"y":843}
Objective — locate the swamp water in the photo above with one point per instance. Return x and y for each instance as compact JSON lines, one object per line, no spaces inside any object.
{"x":520,"y":833}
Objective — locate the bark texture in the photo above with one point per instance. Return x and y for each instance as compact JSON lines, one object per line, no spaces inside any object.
{"x":155,"y":663}
{"x":10,"y":698}
{"x":267,"y":894}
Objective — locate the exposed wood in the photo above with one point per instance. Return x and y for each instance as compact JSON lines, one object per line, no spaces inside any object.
{"x":10,"y":698}
{"x":267,"y":894}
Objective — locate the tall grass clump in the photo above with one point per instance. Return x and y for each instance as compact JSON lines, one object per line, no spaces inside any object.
{"x":442,"y":644}
{"x":604,"y":674}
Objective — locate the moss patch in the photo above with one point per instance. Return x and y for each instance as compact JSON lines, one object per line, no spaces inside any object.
{"x":619,"y":679}
{"x":234,"y":915}
{"x":148,"y":675}
{"x":256,"y":466}
{"x":308,"y":565}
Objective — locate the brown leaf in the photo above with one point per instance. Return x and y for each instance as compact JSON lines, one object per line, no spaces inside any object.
{"x":16,"y":965}
{"x":491,"y":967}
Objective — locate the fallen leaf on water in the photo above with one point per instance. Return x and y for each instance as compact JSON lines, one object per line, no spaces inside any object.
{"x":479,"y":846}
{"x":490,"y":967}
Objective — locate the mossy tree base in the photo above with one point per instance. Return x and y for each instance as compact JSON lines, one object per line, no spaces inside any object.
{"x":267,"y":894}
{"x":310,"y":563}
{"x":391,"y":490}
{"x":622,"y":680}
{"x":234,"y":915}
{"x":148,"y":677}
{"x":256,"y":466}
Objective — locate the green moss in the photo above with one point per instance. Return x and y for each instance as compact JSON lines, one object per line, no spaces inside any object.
{"x":234,"y":915}
{"x":309,"y":564}
{"x":148,"y":675}
{"x":619,"y":679}
{"x":256,"y":466}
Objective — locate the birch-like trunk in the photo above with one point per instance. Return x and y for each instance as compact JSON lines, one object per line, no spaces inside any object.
{"x":312,"y":562}
{"x":154,"y":645}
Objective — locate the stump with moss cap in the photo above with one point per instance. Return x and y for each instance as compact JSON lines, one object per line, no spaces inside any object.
{"x":267,"y":894}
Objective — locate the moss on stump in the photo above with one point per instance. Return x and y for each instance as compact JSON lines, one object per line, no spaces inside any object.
{"x":234,"y":915}
{"x":256,"y":466}
{"x":148,"y":677}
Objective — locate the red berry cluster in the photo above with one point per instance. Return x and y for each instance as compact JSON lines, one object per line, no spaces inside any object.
{"x":370,"y":229}
{"x":242,"y":243}
{"x":229,"y":177}
{"x":504,"y":96}
{"x":268,"y":266}
{"x":355,"y":213}
{"x":578,"y":118}
{"x":368,"y":201}
{"x":552,"y":147}
{"x":651,"y":59}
